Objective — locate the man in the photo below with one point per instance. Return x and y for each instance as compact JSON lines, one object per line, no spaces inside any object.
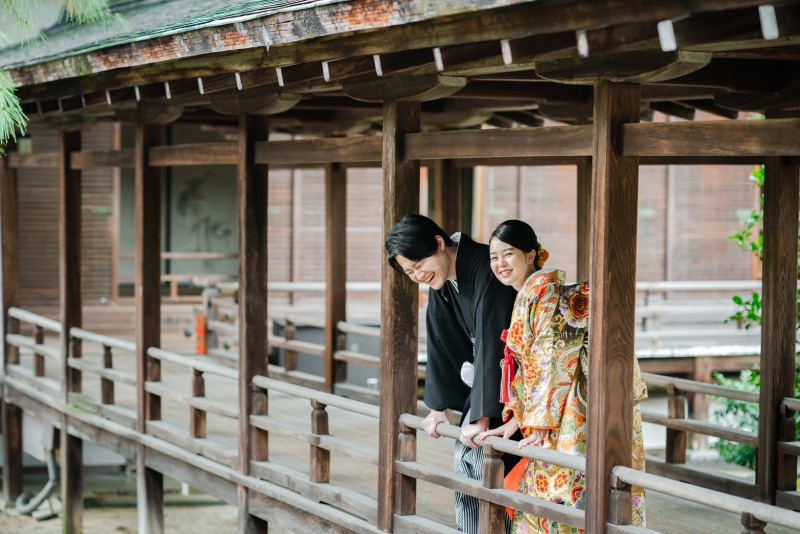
{"x":468,"y":310}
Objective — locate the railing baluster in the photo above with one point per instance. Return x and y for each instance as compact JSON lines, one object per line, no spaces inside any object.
{"x":197,"y":422}
{"x":620,"y":503}
{"x":751,"y":524}
{"x":74,"y":376}
{"x":677,"y":440}
{"x":492,"y":517}
{"x":38,"y":358}
{"x":107,"y":385}
{"x":320,"y":471}
{"x":289,"y":356}
{"x":406,"y":485}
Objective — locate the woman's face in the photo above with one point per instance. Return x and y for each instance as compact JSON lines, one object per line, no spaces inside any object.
{"x":509,"y":264}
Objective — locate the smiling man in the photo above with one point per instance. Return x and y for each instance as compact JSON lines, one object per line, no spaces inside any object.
{"x":468,"y":310}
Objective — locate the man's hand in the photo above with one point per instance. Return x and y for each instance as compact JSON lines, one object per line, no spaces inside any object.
{"x":473,"y":429}
{"x":537,"y":439}
{"x":432,"y":421}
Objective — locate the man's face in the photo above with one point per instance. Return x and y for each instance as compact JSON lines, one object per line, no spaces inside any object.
{"x":432,"y":271}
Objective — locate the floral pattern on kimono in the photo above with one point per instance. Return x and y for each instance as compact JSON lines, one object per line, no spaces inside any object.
{"x":549,"y":340}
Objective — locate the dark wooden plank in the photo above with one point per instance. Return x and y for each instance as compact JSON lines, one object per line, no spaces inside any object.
{"x":41,"y":160}
{"x":335,"y":270}
{"x":447,"y":195}
{"x":195,"y":154}
{"x":399,"y":302}
{"x":501,"y":143}
{"x":612,"y":323}
{"x":253,"y":196}
{"x":418,"y":88}
{"x":69,"y":262}
{"x":147,"y":222}
{"x":10,"y":415}
{"x":778,"y":324}
{"x":339,"y":149}
{"x":320,"y":468}
{"x":584,"y":223}
{"x":758,"y":138}
{"x":99,"y":159}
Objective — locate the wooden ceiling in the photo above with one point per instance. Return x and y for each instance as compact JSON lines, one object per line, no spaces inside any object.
{"x":508,"y":67}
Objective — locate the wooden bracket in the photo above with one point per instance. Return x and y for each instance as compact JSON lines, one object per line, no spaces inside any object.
{"x":406,"y":89}
{"x":624,"y":67}
{"x":254,"y":102}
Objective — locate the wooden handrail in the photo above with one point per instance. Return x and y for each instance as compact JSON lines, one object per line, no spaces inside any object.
{"x":715,"y":499}
{"x":700,"y":387}
{"x":193,"y":362}
{"x":35,"y":319}
{"x":108,"y":341}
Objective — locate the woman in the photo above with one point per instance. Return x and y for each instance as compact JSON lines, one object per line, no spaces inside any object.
{"x":545,"y":374}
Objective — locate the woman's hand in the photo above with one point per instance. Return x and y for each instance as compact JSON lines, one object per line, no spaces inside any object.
{"x":505,"y":431}
{"x":537,"y":439}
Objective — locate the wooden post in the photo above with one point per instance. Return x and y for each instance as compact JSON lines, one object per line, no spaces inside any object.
{"x":620,"y":502}
{"x":335,"y":269}
{"x":107,"y":385}
{"x":778,"y":322}
{"x":320,"y":471}
{"x":69,"y":262}
{"x":197,"y":417}
{"x":612,"y":322}
{"x":10,"y":415}
{"x":406,"y":501}
{"x":584,"y":244}
{"x":253,"y":196}
{"x":491,"y":517}
{"x":677,"y":440}
{"x":149,"y":483}
{"x":399,"y":302}
{"x":447,"y":195}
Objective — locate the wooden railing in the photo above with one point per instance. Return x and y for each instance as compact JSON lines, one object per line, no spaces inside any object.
{"x":680,"y":428}
{"x":314,"y":491}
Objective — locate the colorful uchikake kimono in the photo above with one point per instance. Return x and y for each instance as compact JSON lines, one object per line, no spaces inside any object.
{"x":548,"y":342}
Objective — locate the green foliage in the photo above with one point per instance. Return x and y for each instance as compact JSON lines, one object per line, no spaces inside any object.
{"x":742,"y":415}
{"x":738,"y":414}
{"x":12,"y":118}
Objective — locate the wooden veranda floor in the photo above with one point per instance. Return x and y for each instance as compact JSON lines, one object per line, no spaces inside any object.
{"x":290,"y":456}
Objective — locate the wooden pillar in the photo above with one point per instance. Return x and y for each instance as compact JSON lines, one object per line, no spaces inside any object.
{"x":447,"y":195}
{"x":253,"y":195}
{"x":149,"y":483}
{"x":69,"y":262}
{"x":399,"y":302}
{"x":584,"y":227}
{"x":615,"y":187}
{"x":778,"y":323}
{"x":10,"y":415}
{"x":335,"y":269}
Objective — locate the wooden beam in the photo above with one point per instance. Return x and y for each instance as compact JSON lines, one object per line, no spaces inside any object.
{"x":335,"y":269}
{"x":69,"y":261}
{"x":254,"y":102}
{"x":193,"y":154}
{"x":584,"y":223}
{"x":41,"y":160}
{"x":399,"y":303}
{"x":322,"y":150}
{"x":758,"y":138}
{"x":10,"y":415}
{"x":703,"y":31}
{"x":612,"y":323}
{"x":501,"y":143}
{"x":253,"y":197}
{"x":101,"y":159}
{"x":778,"y":325}
{"x":147,"y":222}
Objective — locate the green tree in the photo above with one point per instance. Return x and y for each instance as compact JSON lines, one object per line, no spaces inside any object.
{"x":739,"y":414}
{"x":12,"y":118}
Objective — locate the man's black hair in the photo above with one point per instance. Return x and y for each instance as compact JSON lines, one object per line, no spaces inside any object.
{"x":414,"y":237}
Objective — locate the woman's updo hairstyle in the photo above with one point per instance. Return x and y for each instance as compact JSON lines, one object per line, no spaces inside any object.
{"x":519,"y":234}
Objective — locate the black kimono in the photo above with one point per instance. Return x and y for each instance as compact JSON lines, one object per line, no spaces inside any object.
{"x":479,"y":310}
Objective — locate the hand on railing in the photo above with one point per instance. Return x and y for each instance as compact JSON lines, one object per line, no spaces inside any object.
{"x":432,"y":421}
